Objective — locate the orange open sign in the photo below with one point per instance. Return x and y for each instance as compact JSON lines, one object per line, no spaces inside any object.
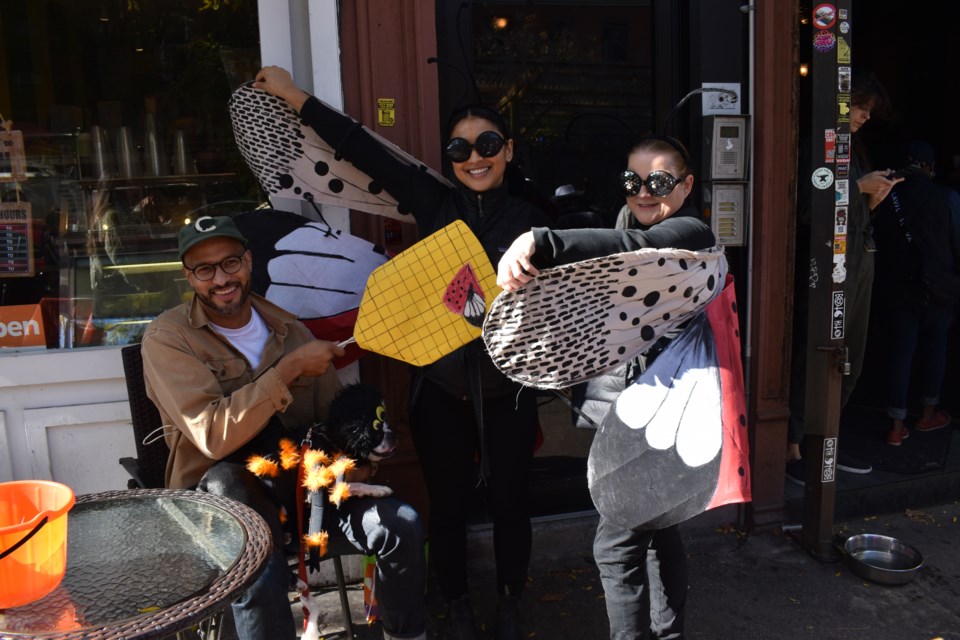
{"x":21,"y":326}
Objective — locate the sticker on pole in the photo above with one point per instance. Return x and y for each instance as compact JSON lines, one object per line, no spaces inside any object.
{"x":822,"y":178}
{"x":836,"y":328}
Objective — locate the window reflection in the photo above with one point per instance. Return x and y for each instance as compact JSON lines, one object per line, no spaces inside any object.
{"x":576,"y":81}
{"x":122,"y":109}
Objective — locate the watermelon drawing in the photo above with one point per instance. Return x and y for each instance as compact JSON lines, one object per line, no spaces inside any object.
{"x":464,"y":296}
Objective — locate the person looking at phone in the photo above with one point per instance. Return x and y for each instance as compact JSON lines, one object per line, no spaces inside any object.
{"x":867,"y":190}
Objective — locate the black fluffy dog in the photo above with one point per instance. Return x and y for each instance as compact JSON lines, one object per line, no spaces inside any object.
{"x":357,"y":427}
{"x":357,"y":424}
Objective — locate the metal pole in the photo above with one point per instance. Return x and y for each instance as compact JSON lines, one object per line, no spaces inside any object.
{"x":826,"y":355}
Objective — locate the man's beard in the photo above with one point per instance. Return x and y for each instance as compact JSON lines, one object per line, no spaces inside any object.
{"x":226,"y":309}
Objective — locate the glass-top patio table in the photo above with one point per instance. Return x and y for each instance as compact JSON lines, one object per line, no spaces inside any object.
{"x":146,"y":564}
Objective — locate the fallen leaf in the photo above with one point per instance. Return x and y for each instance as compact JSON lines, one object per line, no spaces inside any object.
{"x":920,"y":516}
{"x":553,"y":597}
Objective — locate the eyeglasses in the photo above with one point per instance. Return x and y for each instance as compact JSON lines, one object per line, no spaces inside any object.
{"x":229,"y":265}
{"x":488,"y":144}
{"x":659,"y":183}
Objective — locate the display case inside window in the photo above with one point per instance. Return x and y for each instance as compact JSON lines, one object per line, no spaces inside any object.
{"x":115,"y":299}
{"x":121,"y":267}
{"x":120,"y":109}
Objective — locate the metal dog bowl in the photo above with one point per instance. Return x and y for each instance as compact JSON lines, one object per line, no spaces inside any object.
{"x":882,"y":559}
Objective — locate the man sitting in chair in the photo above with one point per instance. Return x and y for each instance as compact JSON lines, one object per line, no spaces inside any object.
{"x":228,"y":367}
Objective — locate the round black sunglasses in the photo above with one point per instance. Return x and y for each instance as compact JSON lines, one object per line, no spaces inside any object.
{"x":659,"y":183}
{"x":488,"y":144}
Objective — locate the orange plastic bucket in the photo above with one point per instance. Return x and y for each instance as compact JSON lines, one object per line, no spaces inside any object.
{"x":33,"y":539}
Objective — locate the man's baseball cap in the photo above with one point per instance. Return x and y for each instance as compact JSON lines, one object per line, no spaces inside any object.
{"x":207,"y":227}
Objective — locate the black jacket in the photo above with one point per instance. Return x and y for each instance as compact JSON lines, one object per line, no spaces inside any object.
{"x":494,"y":216}
{"x":682,"y":230}
{"x":918,"y":241}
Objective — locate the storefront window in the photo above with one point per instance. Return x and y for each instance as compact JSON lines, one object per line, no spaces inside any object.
{"x":576,"y":80}
{"x":117,"y":132}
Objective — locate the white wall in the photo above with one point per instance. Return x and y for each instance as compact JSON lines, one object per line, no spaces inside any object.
{"x":64,"y":416}
{"x":304,"y":38}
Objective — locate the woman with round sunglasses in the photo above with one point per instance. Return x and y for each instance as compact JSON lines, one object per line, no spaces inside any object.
{"x":460,"y":405}
{"x":644,"y":571}
{"x":656,"y":184}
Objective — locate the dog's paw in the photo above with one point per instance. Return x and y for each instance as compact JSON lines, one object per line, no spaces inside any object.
{"x":370,"y":490}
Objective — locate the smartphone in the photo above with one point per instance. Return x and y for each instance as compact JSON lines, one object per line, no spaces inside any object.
{"x":900,"y":173}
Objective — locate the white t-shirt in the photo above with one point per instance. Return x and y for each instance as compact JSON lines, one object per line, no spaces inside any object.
{"x":249,"y":339}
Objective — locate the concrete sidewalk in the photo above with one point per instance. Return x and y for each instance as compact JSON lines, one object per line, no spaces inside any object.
{"x":757,"y":587}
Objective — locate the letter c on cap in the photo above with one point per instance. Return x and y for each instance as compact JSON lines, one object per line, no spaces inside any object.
{"x":201,"y":229}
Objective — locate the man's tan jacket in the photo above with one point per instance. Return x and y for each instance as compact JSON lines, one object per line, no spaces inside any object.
{"x":209,"y":398}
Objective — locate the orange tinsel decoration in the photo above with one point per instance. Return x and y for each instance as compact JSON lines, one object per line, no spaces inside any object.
{"x":260,"y":466}
{"x":318,"y":477}
{"x":318,"y":541}
{"x":289,"y":456}
{"x":341,"y":465}
{"x":315,"y":458}
{"x":339,"y":493}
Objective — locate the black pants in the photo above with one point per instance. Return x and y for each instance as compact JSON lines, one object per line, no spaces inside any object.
{"x":447,"y":440}
{"x":644,"y":577}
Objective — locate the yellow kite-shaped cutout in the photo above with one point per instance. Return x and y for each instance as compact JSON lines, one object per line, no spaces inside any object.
{"x":429,"y":300}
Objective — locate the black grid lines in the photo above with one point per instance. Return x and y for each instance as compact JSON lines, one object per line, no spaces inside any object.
{"x":402,"y":314}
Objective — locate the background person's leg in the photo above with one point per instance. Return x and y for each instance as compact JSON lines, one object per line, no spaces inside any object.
{"x":904,"y":324}
{"x":932,"y":354}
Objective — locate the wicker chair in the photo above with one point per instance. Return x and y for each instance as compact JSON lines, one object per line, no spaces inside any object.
{"x":148,"y":469}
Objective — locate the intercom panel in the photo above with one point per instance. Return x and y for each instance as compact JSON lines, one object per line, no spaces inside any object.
{"x":728,"y":148}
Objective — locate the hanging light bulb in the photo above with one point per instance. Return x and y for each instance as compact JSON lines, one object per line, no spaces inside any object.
{"x":804,"y":69}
